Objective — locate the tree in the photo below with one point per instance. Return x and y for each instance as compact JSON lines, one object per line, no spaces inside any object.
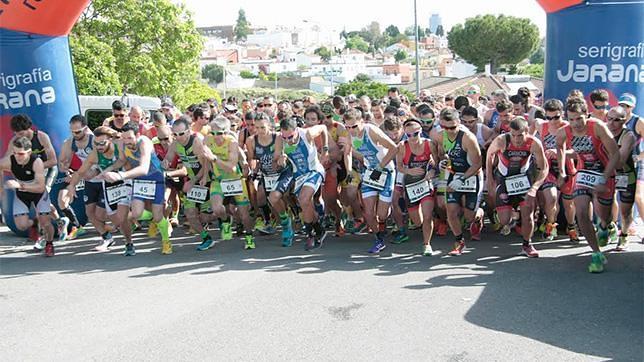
{"x":440,"y":31}
{"x":94,"y":66}
{"x":194,"y":92}
{"x":534,"y":70}
{"x":392,"y":31}
{"x":494,"y":40}
{"x":152,"y":45}
{"x":539,"y":56}
{"x":400,"y":55}
{"x":361,"y":77}
{"x":324,"y":53}
{"x":357,"y":42}
{"x":242,"y":28}
{"x":247,"y":74}
{"x":360,"y":88}
{"x":213,"y":72}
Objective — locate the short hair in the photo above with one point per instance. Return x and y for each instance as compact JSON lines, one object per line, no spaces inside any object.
{"x":470,"y":111}
{"x":22,"y":142}
{"x":599,"y":95}
{"x":79,"y":118}
{"x":500,"y":93}
{"x":503,"y":105}
{"x":337,"y":101}
{"x":391,"y":123}
{"x":424,"y":108}
{"x":249,"y":116}
{"x":412,"y":120}
{"x":183,"y":120}
{"x":117,"y":105}
{"x":157,"y":116}
{"x":130,"y":126}
{"x":553,"y":105}
{"x":105,"y":131}
{"x":461,"y":101}
{"x":391,"y":109}
{"x":539,"y":113}
{"x":20,"y":122}
{"x":395,"y":102}
{"x":449,"y":114}
{"x":577,"y":105}
{"x":288,"y":123}
{"x":519,"y":124}
{"x":197,"y":113}
{"x":393,"y":90}
{"x":449,"y":97}
{"x":191,"y":108}
{"x":315,"y":109}
{"x":516,"y":99}
{"x":576,"y":93}
{"x":352,"y":114}
{"x":524,"y":92}
{"x":221,"y":122}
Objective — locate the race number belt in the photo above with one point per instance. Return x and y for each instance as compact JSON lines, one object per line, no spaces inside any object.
{"x":378,"y":184}
{"x":621,"y":181}
{"x":270,"y":182}
{"x":197,"y":194}
{"x":469,"y":184}
{"x":116,"y":193}
{"x":417,"y":190}
{"x":145,"y":189}
{"x":589,"y":179}
{"x":517,"y":184}
{"x":232,"y":187}
{"x":80,"y":186}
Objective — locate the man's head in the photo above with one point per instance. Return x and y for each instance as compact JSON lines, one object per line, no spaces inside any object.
{"x":119,"y":111}
{"x":353,"y":121}
{"x":158,"y":119}
{"x":164,"y":135}
{"x":298,"y":108}
{"x":577,"y":110}
{"x":628,"y":102}
{"x":426,"y":115}
{"x":616,"y":118}
{"x":393,"y":128}
{"x":136,"y":114}
{"x":262,"y":123}
{"x":288,"y":130}
{"x":393,"y":92}
{"x":21,"y":125}
{"x":199,"y":116}
{"x":78,"y":127}
{"x":450,"y":121}
{"x":553,"y":109}
{"x":314,"y":114}
{"x":181,"y":130}
{"x":470,"y":117}
{"x":600,"y":100}
{"x":518,"y":130}
{"x":518,"y":105}
{"x":219,"y":127}
{"x":129,"y":135}
{"x":473,"y":93}
{"x":21,"y":149}
{"x":449,"y":101}
{"x":102,"y":138}
{"x":461,"y":102}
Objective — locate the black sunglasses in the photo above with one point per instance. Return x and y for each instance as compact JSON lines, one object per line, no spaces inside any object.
{"x":351,"y":127}
{"x":100,"y":144}
{"x":449,"y":128}
{"x":179,"y":134}
{"x":163,"y":138}
{"x":550,"y":118}
{"x":217,"y":133}
{"x":413,"y":134}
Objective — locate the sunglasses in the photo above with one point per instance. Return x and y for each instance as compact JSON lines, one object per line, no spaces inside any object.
{"x":217,"y":133}
{"x":449,"y":128}
{"x":119,"y":116}
{"x":550,"y":118}
{"x":352,"y":127}
{"x":471,"y":92}
{"x":288,"y":137}
{"x":163,"y":138}
{"x":605,"y":107}
{"x":611,"y":119}
{"x":428,"y":120}
{"x":101,"y":144}
{"x":265,"y":105}
{"x":79,"y":131}
{"x":179,"y":134}
{"x":413,"y":134}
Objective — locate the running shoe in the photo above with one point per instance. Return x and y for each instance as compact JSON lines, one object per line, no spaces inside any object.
{"x":358,"y":226}
{"x":259,"y":223}
{"x":427,"y":250}
{"x":105,"y":244}
{"x":153,"y":230}
{"x":166,"y":247}
{"x":400,"y":237}
{"x":598,"y":260}
{"x":622,"y":244}
{"x":206,"y":244}
{"x":129,"y":250}
{"x":287,"y":234}
{"x":310,"y":243}
{"x":529,"y":251}
{"x":378,"y":246}
{"x":612,"y":232}
{"x":226,"y":231}
{"x":62,"y":224}
{"x":459,"y":247}
{"x":550,"y":231}
{"x":39,"y":245}
{"x":249,"y":242}
{"x":475,"y":229}
{"x":572,"y":234}
{"x":76,"y":232}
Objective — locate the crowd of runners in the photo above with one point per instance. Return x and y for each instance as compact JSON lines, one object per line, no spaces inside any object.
{"x":344,"y":165}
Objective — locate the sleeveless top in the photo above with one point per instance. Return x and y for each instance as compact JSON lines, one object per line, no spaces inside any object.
{"x":372,"y":153}
{"x":515,"y":160}
{"x":412,"y":160}
{"x":458,"y":160}
{"x":303,"y":156}
{"x":25,"y":173}
{"x":591,"y":154}
{"x":264,"y":154}
{"x":188,"y":157}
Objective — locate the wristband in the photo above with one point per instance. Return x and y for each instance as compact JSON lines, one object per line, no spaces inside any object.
{"x":120,"y":173}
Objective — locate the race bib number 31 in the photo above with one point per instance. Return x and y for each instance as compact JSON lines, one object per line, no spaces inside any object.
{"x":469,"y":184}
{"x":144,"y":189}
{"x":589,"y":179}
{"x":232,"y":187}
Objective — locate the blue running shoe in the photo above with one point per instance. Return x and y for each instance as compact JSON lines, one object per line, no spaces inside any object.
{"x":377,"y":247}
{"x":206,"y":244}
{"x":129,"y":250}
{"x":287,"y":234}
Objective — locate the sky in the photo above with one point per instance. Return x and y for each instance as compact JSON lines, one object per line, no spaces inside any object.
{"x":356,"y":14}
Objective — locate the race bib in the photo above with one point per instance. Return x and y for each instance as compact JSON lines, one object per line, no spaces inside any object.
{"x":232,"y":187}
{"x":517,"y":184}
{"x":197,"y":194}
{"x":80,"y":186}
{"x":270,"y":182}
{"x":469,"y":184}
{"x":589,"y":179}
{"x":144,"y":189}
{"x":418,"y":190}
{"x":117,"y":193}
{"x":621,"y":181}
{"x":378,"y":184}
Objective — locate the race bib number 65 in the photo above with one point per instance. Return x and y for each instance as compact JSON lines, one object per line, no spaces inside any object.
{"x":232,"y":187}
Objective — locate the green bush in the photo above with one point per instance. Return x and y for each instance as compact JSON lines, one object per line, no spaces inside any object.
{"x":289,"y":94}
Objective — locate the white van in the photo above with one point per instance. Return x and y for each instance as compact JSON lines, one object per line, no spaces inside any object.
{"x":97,"y":108}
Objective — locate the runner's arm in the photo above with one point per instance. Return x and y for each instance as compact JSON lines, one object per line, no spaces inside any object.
{"x":626,"y":149}
{"x":472,"y":148}
{"x":542,"y":164}
{"x":91,"y":160}
{"x":382,"y":139}
{"x":612,"y":151}
{"x":144,"y":162}
{"x":495,"y":147}
{"x":65,"y":156}
{"x":561,"y":152}
{"x":49,"y":150}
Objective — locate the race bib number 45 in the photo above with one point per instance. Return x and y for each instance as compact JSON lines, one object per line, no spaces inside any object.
{"x":232,"y":187}
{"x":589,"y":179}
{"x":144,"y":189}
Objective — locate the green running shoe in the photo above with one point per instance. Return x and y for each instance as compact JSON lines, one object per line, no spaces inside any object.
{"x":598,"y":260}
{"x":612,"y":233}
{"x":226,"y":231}
{"x":250,"y":242}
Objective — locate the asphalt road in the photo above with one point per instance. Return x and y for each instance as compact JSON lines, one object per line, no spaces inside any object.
{"x":336,"y":303}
